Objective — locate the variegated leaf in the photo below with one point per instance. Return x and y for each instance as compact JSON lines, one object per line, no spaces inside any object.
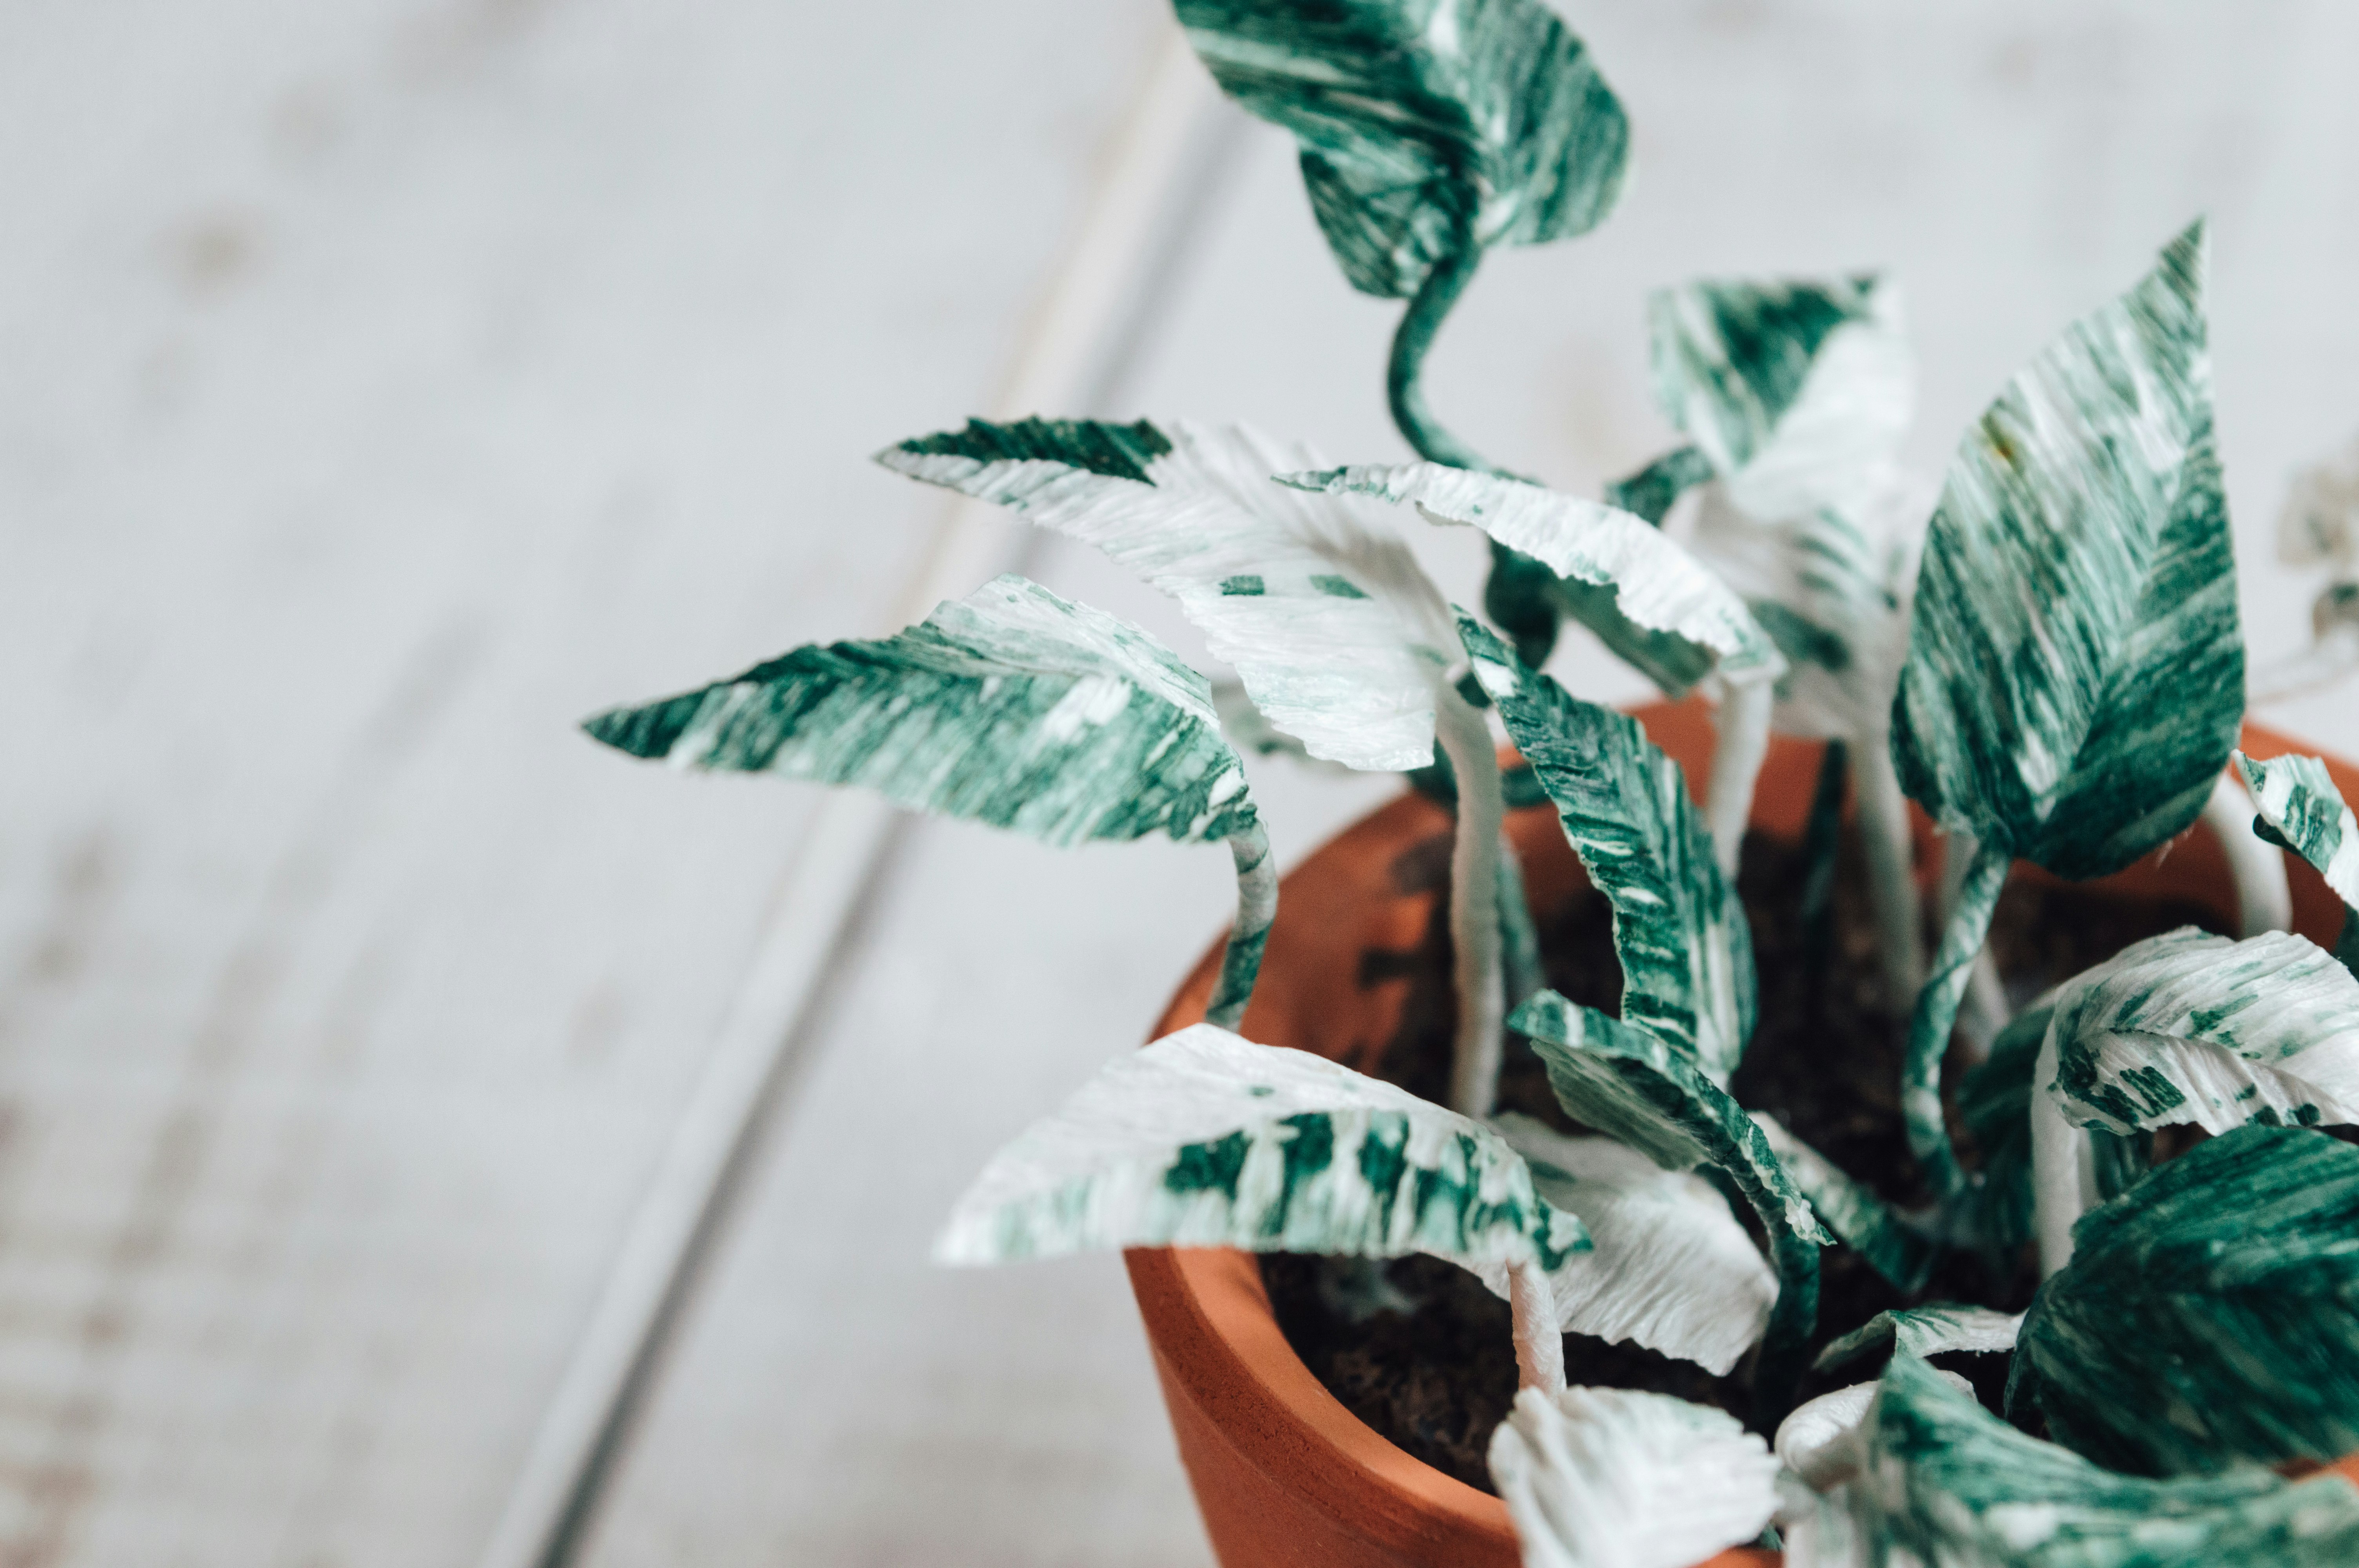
{"x":2080,"y":563}
{"x":1943,"y":1481}
{"x":1670,"y":1269}
{"x":1427,"y":126}
{"x":2206,"y":1316}
{"x":1902,"y":1255}
{"x":1617,"y":1479}
{"x":1335,"y":631}
{"x":1819,"y":1443}
{"x":1799,"y":392}
{"x":1011,"y":707}
{"x":2297,"y":797}
{"x":2190,"y":1027}
{"x":1206,"y":1139}
{"x":1935,"y":1328}
{"x":1995,"y":1103}
{"x":1651,"y":601}
{"x":1686,"y":951}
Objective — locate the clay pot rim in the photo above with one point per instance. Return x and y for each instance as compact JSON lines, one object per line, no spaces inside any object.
{"x":1214,"y":1333}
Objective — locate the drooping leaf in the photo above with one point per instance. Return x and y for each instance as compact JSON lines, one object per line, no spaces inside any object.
{"x":1651,"y":601}
{"x":1206,"y":1139}
{"x":1903,"y":1255}
{"x":2206,"y":1314}
{"x":1617,"y":1479}
{"x":1011,"y":707}
{"x":1798,"y":392}
{"x":2191,"y":1027}
{"x":1336,"y":633}
{"x":1819,"y":1443}
{"x":1669,"y":1267}
{"x":1426,"y":126}
{"x":2080,"y":563}
{"x":2297,"y":799}
{"x":1686,"y":951}
{"x":1935,"y":1328}
{"x":1943,"y":1481}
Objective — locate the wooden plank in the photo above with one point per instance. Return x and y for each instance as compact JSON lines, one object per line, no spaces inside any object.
{"x":385,"y":386}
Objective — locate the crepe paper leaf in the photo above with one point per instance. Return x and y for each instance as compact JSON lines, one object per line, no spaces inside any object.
{"x":1946,"y":1482}
{"x":2080,"y":563}
{"x":1428,"y":127}
{"x":1206,"y":1139}
{"x":1618,"y":1478}
{"x":1669,"y":1268}
{"x":1654,"y":490}
{"x":2297,"y":798}
{"x":1253,"y":735}
{"x":2206,"y":1316}
{"x":1903,"y":1255}
{"x":1820,"y":1441}
{"x":1336,"y":633}
{"x":1935,"y":1328}
{"x":1995,"y":1103}
{"x":1796,"y":393}
{"x":1680,"y":933}
{"x":2190,"y":1027}
{"x":1633,"y":1085}
{"x":1653,"y":603}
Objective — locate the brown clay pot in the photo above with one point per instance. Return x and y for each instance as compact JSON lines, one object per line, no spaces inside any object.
{"x":1285,"y":1475}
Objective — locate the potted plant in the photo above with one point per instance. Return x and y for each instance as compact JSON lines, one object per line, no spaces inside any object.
{"x":1710,"y":1181}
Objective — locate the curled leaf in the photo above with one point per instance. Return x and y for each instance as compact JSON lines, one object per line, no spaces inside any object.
{"x":1901,"y":1254}
{"x":1935,"y":1328}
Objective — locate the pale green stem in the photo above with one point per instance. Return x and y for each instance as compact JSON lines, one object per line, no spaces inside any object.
{"x":1427,"y":309}
{"x":1257,"y":907}
{"x":1983,"y":1011}
{"x":1785,"y":1340}
{"x":2264,"y":901}
{"x":1473,"y":902}
{"x":2064,"y":1164}
{"x":1520,"y":944}
{"x":1540,"y":1340}
{"x":1891,"y":875}
{"x":1937,"y":1013}
{"x":1743,"y":720}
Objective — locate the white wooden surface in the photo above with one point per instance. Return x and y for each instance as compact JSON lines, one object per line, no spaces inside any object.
{"x":833,"y":1401}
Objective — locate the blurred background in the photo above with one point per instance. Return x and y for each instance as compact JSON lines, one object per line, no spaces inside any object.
{"x":386,"y":384}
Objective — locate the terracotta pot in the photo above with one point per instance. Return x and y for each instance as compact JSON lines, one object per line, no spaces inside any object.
{"x":1283,"y":1474}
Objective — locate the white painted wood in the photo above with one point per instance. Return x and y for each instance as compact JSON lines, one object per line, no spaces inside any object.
{"x":382,"y":387}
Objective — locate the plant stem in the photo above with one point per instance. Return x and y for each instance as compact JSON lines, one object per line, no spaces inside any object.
{"x":1786,"y":1341}
{"x":1821,"y":847}
{"x":1473,"y":902}
{"x":1891,"y":875}
{"x":2063,"y":1165}
{"x":1427,"y":309}
{"x":1257,"y":907}
{"x":2264,"y":901}
{"x":1520,"y":944}
{"x":1743,"y":720}
{"x":1937,"y":1012}
{"x":1540,"y":1342}
{"x":1983,"y":1011}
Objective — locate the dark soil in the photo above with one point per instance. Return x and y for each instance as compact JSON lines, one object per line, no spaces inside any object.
{"x":1825,"y":1058}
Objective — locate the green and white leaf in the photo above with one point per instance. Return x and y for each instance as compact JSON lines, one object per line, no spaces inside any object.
{"x":1252,"y":734}
{"x":1206,"y":1139}
{"x":1618,"y":1478}
{"x":1935,"y":1328}
{"x":2190,"y":1027}
{"x":1335,"y":631}
{"x":1010,"y":707}
{"x":1902,"y":1255}
{"x":1798,"y":392}
{"x":1669,"y":1267}
{"x":1945,"y":1482}
{"x":1995,"y":1103}
{"x":1679,"y":930}
{"x":2297,"y":797}
{"x":2080,"y":563}
{"x":1651,"y":600}
{"x":2206,"y":1316}
{"x":1819,"y":1443}
{"x":1425,"y":125}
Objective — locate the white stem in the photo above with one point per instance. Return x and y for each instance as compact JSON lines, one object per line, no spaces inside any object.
{"x":2062,"y":1164}
{"x":2264,"y":901}
{"x":1982,"y":1012}
{"x":1743,"y":720}
{"x":1891,"y":874}
{"x":1473,"y":903}
{"x":1257,"y":908}
{"x":1540,"y":1342}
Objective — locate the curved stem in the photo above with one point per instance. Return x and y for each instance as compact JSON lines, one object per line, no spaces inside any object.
{"x":1257,"y":907}
{"x":2063,"y":1161}
{"x":1540,"y":1342}
{"x":1891,"y":874}
{"x":1786,"y":1342}
{"x":1937,"y":1012}
{"x":1473,"y":902}
{"x":1982,"y":1012}
{"x":1427,"y":309}
{"x":1743,"y":720}
{"x":2264,"y":901}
